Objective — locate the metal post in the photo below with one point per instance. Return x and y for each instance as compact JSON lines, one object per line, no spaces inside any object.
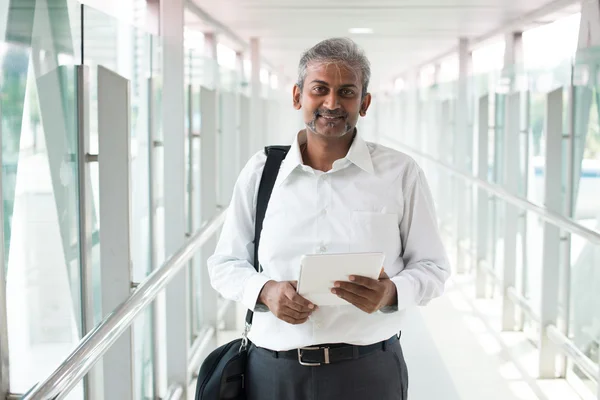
{"x":482,"y":196}
{"x":210,"y":52}
{"x":173,"y":112}
{"x":92,"y":387}
{"x":524,"y":134}
{"x":153,"y":253}
{"x":511,"y":217}
{"x":551,"y":248}
{"x":230,"y":143}
{"x":443,"y":186}
{"x":192,"y":206}
{"x":114,"y":164}
{"x":461,"y":153}
{"x":208,"y":181}
{"x":569,"y":210}
{"x":4,"y":356}
{"x":245,"y":131}
{"x":229,"y":161}
{"x":256,"y":133}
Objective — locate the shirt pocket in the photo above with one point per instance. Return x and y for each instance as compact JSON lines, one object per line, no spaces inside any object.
{"x":375,"y":232}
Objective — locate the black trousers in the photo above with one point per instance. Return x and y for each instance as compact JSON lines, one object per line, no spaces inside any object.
{"x":380,"y":375}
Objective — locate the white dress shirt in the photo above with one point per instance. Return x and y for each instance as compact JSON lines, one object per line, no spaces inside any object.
{"x":374,"y":200}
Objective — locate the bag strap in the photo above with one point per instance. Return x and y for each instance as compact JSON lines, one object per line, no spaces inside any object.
{"x":275,"y":156}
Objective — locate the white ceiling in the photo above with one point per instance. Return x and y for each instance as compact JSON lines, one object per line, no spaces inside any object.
{"x":406,"y":32}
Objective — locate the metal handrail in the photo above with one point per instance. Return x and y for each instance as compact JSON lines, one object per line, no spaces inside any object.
{"x":552,"y":217}
{"x":93,"y":346}
{"x":566,"y":345}
{"x":568,"y":348}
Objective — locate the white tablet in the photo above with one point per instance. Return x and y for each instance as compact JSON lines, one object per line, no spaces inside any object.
{"x":318,"y":273}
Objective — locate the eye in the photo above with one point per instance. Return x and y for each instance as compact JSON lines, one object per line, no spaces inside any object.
{"x":347,"y":92}
{"x":319,"y":89}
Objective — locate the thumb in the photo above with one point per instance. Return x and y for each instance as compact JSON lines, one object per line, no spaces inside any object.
{"x":383,"y":275}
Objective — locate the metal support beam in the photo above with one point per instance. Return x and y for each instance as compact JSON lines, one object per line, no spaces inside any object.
{"x":208,"y":207}
{"x":511,"y":216}
{"x":92,"y":386}
{"x":246,"y":148}
{"x":551,"y":247}
{"x":229,"y":147}
{"x":462,"y":153}
{"x":210,"y":52}
{"x":114,"y":161}
{"x":153,"y":175}
{"x":444,"y":187}
{"x":256,"y":129}
{"x":513,"y":52}
{"x":173,"y":113}
{"x":523,"y":223}
{"x":239,"y":67}
{"x":482,"y":195}
{"x":4,"y":356}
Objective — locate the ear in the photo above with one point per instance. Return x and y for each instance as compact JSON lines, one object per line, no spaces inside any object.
{"x":296,"y":96}
{"x":364,"y":106}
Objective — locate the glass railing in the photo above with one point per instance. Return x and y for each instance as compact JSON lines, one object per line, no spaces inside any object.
{"x":535,"y":136}
{"x":40,"y":191}
{"x":52,"y":113}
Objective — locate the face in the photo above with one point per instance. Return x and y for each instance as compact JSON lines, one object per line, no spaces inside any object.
{"x":331,"y":99}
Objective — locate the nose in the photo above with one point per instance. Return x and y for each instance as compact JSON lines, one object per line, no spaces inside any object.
{"x":332,"y":101}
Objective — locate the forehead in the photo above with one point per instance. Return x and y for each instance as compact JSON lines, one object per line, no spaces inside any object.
{"x":334,"y":73}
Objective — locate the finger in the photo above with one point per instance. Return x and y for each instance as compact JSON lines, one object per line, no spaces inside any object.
{"x":364,"y":281}
{"x":356,"y":289}
{"x":294,"y":284}
{"x":358,"y":301}
{"x":295,"y":314}
{"x":383,"y":275}
{"x":300,"y":301}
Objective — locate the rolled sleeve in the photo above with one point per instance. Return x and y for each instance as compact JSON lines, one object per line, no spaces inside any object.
{"x":251,"y":291}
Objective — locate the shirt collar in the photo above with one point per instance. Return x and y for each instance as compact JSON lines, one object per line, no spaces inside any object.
{"x":358,"y":154}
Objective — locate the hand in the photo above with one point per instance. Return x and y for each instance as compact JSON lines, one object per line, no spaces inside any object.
{"x":285,"y":303}
{"x":369,"y":295}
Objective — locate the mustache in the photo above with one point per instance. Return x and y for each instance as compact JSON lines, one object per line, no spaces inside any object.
{"x":329,"y":113}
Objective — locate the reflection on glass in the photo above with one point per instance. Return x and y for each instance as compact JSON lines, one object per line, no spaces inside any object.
{"x":585,"y":290}
{"x":40,"y":192}
{"x":127,"y":51}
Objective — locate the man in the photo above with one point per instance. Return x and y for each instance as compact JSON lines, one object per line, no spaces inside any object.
{"x":335,"y":193}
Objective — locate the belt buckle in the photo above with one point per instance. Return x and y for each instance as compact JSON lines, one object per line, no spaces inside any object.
{"x":306,"y":364}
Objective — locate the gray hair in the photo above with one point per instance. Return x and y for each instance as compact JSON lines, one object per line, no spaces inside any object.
{"x":337,"y":50}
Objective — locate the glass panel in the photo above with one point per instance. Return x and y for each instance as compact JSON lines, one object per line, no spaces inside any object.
{"x":127,"y":51}
{"x":144,"y":355}
{"x":40,"y":192}
{"x":585,"y":257}
{"x":585,"y":297}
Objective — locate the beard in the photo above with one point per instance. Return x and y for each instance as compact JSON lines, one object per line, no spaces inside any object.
{"x":337,"y":127}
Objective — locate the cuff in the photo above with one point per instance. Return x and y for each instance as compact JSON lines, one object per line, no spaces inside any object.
{"x":405,"y":292}
{"x":252,"y":289}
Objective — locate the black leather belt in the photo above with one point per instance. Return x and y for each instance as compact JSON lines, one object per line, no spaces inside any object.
{"x":315,"y":356}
